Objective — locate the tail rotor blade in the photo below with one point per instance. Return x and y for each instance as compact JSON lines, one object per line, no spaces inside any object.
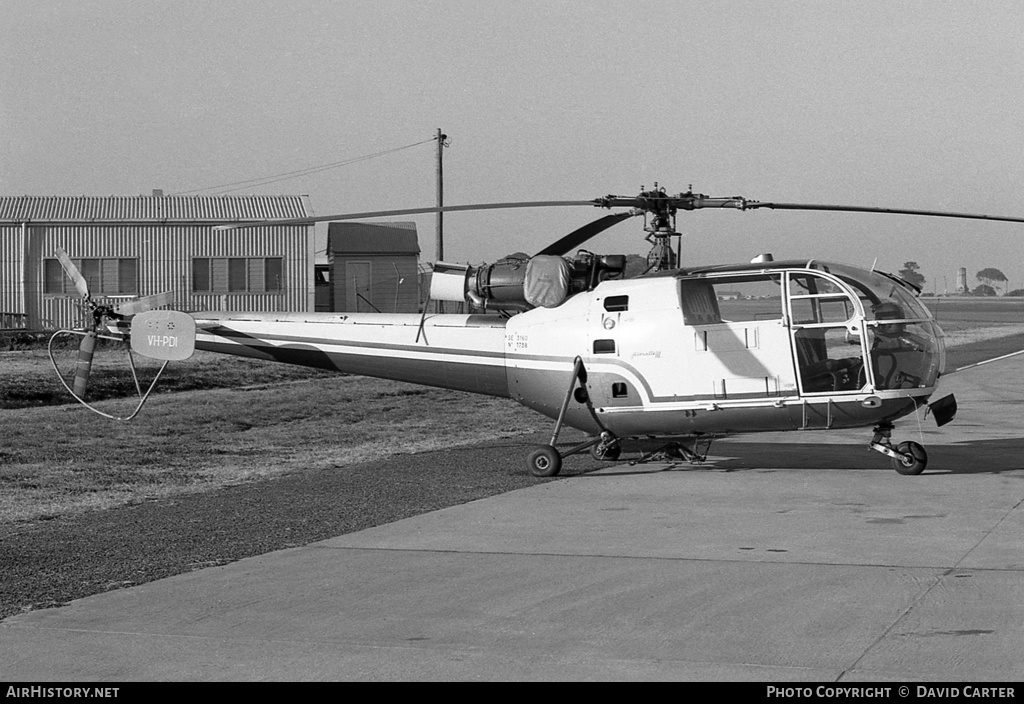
{"x":73,"y":273}
{"x":141,"y":305}
{"x":85,"y":351}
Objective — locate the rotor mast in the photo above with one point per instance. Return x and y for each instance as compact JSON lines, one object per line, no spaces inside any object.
{"x":660,"y":229}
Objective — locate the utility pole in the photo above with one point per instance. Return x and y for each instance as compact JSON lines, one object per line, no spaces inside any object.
{"x":441,"y":143}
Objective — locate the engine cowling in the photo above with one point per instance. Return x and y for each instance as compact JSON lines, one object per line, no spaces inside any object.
{"x":544,"y":281}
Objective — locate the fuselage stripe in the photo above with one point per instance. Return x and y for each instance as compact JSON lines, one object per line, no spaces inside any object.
{"x":418,"y":351}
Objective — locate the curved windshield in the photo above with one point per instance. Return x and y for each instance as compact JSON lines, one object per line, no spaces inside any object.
{"x":904,"y":343}
{"x":881,"y":295}
{"x":905,"y":355}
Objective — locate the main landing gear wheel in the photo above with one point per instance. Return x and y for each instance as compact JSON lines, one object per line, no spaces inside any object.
{"x":913,"y":460}
{"x":545,"y":461}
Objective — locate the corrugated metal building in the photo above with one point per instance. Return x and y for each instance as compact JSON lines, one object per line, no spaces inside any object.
{"x":129,"y":246}
{"x":373,"y":267}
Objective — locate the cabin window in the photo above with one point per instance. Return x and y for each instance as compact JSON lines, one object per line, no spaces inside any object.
{"x":620,"y":389}
{"x":815,"y":300}
{"x":698,"y":302}
{"x":821,"y":310}
{"x":732,"y":299}
{"x":604,"y":346}
{"x":748,"y":299}
{"x":830,"y":360}
{"x":108,"y":276}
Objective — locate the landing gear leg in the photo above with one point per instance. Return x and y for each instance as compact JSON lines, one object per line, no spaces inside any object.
{"x":907,"y":457}
{"x":546,"y":460}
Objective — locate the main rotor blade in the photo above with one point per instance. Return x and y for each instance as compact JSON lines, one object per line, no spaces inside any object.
{"x":698,"y":201}
{"x":410,"y":211}
{"x":141,"y":305}
{"x":753,"y":205}
{"x":72,"y":271}
{"x":577,"y":237}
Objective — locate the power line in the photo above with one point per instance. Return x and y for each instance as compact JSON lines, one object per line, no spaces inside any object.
{"x":274,"y":178}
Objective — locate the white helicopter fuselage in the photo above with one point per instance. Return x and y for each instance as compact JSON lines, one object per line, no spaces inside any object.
{"x":660,"y":356}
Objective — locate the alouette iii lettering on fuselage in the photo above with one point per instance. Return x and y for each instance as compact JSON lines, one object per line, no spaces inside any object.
{"x":676,"y":355}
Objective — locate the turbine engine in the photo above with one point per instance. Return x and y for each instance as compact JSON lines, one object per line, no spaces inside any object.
{"x":541,"y":281}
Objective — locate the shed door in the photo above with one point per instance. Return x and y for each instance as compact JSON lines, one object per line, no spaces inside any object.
{"x":358,"y":281}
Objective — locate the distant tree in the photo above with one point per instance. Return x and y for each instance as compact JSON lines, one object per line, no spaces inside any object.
{"x":910,"y":274}
{"x":983,"y":290}
{"x":991,"y":277}
{"x":1018,"y":292}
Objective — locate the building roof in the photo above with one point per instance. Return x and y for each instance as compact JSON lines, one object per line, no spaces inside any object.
{"x":107,"y":209}
{"x":372,"y":238}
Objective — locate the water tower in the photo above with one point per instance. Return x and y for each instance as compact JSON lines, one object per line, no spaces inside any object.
{"x":961,"y":280}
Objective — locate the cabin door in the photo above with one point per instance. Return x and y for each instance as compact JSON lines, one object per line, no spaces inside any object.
{"x":740,"y":346}
{"x":828,"y":343}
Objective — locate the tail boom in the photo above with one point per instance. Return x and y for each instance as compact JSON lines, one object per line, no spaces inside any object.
{"x":461,"y":352}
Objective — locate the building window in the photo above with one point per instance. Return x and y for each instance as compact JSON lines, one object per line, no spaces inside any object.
{"x":202,"y":279}
{"x":238,"y":280}
{"x":238,"y":275}
{"x":273,"y":274}
{"x":104,"y":276}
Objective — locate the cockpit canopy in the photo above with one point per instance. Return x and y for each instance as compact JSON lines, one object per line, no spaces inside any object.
{"x":852,"y":330}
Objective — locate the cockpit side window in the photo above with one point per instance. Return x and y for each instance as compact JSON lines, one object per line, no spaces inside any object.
{"x":896,"y":346}
{"x":829,"y":351}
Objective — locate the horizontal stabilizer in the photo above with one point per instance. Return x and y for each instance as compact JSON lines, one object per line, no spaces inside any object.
{"x":169,"y":335}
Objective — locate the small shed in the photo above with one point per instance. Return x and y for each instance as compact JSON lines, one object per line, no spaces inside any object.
{"x":373,"y":267}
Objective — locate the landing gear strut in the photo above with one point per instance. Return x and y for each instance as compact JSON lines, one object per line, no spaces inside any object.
{"x":907,"y":457}
{"x":546,"y":460}
{"x":696,"y":454}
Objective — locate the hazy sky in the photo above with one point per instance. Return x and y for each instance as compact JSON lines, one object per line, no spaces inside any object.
{"x":878,"y":103}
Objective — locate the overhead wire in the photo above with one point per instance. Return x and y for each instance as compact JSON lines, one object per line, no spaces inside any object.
{"x":284,"y":176}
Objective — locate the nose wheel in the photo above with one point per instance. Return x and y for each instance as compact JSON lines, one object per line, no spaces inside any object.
{"x":907,"y":458}
{"x":912,"y":460}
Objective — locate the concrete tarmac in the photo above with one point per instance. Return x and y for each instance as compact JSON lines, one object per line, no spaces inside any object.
{"x":786,"y":557}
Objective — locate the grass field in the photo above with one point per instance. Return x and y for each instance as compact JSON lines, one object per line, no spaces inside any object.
{"x":221,"y":420}
{"x":60,"y":459}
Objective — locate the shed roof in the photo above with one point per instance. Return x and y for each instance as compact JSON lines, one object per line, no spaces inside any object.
{"x":372,"y":238}
{"x":84,"y":209}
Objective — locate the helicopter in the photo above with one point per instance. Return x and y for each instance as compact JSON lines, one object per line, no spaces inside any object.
{"x":678,"y":356}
